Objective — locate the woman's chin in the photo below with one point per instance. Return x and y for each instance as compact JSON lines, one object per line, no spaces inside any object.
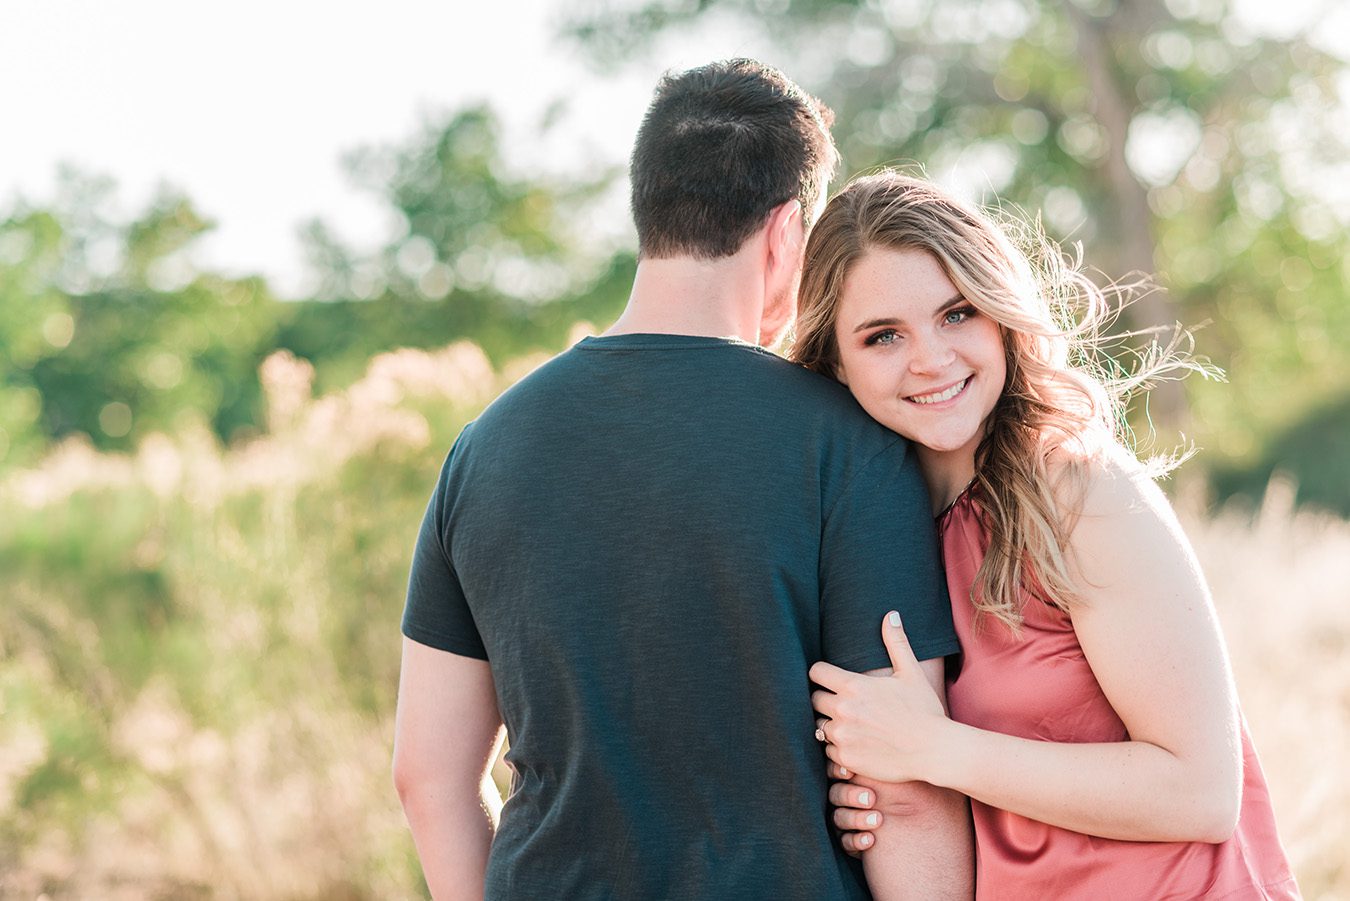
{"x":943,"y":444}
{"x":937,"y":441}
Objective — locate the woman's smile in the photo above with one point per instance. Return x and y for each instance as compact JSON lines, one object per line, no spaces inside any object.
{"x":942,"y":395}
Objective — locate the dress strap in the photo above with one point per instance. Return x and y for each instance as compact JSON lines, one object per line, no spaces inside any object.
{"x":942,"y":514}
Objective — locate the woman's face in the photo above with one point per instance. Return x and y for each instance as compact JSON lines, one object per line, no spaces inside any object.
{"x":918,"y":357}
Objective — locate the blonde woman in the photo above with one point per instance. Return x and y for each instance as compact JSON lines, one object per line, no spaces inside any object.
{"x":1093,"y":719}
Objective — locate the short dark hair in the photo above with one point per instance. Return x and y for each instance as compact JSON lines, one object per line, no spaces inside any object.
{"x":720,"y":147}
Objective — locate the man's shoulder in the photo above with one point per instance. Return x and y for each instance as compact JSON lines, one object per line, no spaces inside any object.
{"x":826,"y":404}
{"x":811,"y":387}
{"x":551,"y":377}
{"x":803,"y":401}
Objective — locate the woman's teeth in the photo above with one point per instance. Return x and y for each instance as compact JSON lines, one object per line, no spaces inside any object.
{"x":940,"y":396}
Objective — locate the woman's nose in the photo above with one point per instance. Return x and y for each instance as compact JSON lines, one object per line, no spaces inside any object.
{"x":930,"y":353}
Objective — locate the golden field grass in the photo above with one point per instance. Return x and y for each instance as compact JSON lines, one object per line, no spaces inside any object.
{"x":1281,"y":582}
{"x":199,"y":649}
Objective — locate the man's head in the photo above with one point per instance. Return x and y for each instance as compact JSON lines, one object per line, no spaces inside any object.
{"x":721,"y":147}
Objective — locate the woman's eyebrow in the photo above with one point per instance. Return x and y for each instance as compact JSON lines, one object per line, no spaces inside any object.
{"x":873,"y":323}
{"x":891,"y":320}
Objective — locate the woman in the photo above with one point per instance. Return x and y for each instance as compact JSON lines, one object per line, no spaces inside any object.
{"x":1093,"y":719}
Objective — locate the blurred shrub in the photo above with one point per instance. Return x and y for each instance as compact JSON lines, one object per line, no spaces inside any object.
{"x":199,"y":646}
{"x":1314,"y":455}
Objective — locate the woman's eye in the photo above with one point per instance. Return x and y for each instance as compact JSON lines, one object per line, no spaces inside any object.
{"x":957,"y":316}
{"x":883,"y":338}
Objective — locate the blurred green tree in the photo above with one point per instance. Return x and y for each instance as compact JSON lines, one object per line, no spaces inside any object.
{"x":108,"y":329}
{"x":35,"y":322}
{"x":1167,"y":137}
{"x":480,"y":252}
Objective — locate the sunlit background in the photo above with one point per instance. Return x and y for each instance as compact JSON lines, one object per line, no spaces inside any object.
{"x":260,"y":262}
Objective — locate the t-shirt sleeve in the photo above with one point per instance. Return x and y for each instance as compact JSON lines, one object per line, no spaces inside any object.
{"x":879,"y":553}
{"x":436,"y":612}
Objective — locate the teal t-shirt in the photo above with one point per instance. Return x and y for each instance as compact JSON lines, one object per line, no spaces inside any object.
{"x":651,"y":539}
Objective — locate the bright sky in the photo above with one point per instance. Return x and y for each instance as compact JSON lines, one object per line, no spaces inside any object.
{"x":248,"y":106}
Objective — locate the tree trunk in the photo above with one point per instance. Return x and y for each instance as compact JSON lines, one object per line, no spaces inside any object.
{"x":1114,"y":108}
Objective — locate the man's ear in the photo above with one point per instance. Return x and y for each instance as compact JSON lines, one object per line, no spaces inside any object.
{"x":783,"y":247}
{"x":786,"y":235}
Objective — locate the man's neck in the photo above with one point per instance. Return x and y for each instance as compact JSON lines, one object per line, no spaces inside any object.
{"x":721,"y":298}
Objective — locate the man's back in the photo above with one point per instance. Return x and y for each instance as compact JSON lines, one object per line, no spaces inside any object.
{"x":651,"y":539}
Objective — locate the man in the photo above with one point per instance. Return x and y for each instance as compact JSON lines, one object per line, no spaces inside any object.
{"x":636,"y":553}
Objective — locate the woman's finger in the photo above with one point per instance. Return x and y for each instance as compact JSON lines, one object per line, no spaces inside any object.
{"x":856,"y":842}
{"x":897,"y":644}
{"x":839,"y":772}
{"x":825,"y":702}
{"x":846,"y":794}
{"x":830,"y":676}
{"x":847,"y":819}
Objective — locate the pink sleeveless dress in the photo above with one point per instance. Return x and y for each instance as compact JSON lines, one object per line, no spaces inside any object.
{"x":1041,"y":687}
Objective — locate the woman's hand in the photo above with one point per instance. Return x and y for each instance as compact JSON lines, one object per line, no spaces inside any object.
{"x":853,"y":814}
{"x":887,"y":728}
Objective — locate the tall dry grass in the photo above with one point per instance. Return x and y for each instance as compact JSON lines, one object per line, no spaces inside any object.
{"x":198,"y":649}
{"x":1281,"y":582}
{"x":199,"y":646}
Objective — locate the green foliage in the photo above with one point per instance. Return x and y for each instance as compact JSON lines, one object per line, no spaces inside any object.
{"x":481,"y":253}
{"x":109,"y":332}
{"x":161,"y":354}
{"x":466,"y":223}
{"x":339,"y":336}
{"x":1315,"y":449}
{"x":34,"y":323}
{"x":107,"y":329}
{"x":82,"y":622}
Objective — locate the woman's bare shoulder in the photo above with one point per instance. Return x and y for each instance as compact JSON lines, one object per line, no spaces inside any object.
{"x":1106,"y":481}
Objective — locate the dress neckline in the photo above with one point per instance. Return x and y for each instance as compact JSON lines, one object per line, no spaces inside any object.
{"x":961,"y":495}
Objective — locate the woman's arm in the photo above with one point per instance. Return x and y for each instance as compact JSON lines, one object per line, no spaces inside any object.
{"x":1148,"y":629}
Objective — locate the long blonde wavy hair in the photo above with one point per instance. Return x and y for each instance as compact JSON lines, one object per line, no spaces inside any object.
{"x":1059,"y":394}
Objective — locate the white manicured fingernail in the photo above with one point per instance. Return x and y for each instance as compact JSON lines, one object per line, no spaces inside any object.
{"x":872,"y":819}
{"x":893,"y":618}
{"x":865,"y":798}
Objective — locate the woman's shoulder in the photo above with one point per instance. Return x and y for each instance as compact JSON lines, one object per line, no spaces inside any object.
{"x":1106,"y":481}
{"x":1116,"y":516}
